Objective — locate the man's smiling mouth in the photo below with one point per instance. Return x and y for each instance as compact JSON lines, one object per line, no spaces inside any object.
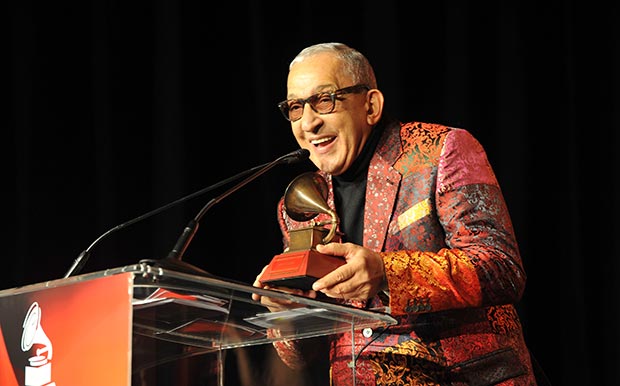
{"x":322,"y":141}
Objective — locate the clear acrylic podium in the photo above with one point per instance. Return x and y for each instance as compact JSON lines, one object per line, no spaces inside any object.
{"x":104,"y":327}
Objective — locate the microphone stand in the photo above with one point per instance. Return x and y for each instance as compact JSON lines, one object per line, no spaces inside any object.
{"x":83,"y":257}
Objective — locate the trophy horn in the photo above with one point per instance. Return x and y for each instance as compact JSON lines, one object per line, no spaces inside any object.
{"x":305,"y":197}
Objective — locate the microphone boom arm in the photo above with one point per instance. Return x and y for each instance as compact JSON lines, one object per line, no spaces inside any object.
{"x":190,"y":230}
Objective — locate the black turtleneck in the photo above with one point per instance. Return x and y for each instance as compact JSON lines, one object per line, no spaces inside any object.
{"x":350,"y":191}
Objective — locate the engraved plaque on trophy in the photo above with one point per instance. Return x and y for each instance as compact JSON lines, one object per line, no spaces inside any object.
{"x":301,"y":264}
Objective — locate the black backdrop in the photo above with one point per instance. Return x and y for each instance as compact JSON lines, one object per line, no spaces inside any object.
{"x":118,"y":107}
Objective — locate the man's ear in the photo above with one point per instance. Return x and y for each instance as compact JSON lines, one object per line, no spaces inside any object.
{"x":375,"y":106}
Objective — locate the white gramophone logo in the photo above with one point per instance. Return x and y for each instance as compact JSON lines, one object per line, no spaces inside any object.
{"x":39,"y":372}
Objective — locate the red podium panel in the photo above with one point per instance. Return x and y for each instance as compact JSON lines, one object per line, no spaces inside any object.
{"x":74,"y":333}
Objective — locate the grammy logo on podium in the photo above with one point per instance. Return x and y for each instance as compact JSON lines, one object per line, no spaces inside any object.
{"x":35,"y":341}
{"x":301,"y":264}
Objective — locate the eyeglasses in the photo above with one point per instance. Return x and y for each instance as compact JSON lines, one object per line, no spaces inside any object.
{"x":322,"y":103}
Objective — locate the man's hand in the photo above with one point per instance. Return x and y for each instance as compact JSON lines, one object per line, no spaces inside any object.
{"x":360,"y":278}
{"x":276,"y":304}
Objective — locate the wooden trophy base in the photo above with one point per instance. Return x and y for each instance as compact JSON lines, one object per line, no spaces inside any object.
{"x":299,"y":269}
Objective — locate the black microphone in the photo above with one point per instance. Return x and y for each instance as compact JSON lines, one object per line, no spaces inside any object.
{"x":83,"y":257}
{"x":174,"y":258}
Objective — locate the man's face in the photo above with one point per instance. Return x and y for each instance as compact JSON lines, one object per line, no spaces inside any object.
{"x":335,"y":139}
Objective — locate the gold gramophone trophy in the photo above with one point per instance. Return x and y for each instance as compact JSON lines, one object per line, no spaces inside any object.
{"x":301,"y":264}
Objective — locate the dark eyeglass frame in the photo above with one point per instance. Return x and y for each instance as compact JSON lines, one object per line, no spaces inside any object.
{"x":313,"y":100}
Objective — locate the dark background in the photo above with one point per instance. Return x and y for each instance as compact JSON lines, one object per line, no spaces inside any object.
{"x":118,"y":107}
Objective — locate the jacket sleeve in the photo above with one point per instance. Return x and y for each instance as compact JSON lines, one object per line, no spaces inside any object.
{"x":298,"y":354}
{"x":480,"y":264}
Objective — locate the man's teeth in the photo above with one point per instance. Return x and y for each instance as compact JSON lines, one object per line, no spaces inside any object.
{"x":322,"y":140}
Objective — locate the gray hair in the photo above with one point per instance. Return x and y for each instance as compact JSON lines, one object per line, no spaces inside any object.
{"x":354,"y":62}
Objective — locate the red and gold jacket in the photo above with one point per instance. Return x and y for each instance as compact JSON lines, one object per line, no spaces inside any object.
{"x":435,"y":212}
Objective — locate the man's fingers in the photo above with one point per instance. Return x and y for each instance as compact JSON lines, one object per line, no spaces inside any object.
{"x":334,"y":249}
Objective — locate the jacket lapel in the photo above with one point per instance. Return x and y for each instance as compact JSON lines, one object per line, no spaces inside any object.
{"x":382,"y":188}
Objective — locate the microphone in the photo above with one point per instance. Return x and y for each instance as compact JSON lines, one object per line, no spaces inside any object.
{"x":174,"y":258}
{"x":82,"y":259}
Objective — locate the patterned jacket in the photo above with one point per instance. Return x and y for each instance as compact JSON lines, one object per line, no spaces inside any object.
{"x":435,"y":212}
